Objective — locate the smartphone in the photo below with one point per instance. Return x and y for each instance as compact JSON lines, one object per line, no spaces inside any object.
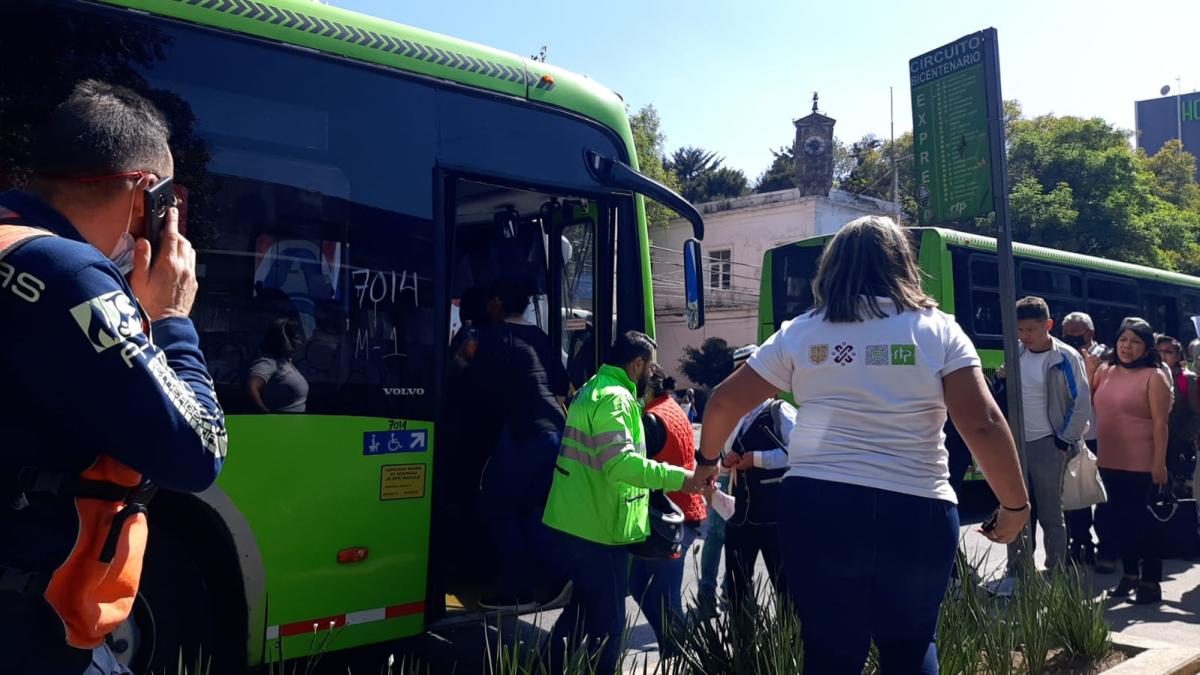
{"x":990,"y":524}
{"x":158,"y":199}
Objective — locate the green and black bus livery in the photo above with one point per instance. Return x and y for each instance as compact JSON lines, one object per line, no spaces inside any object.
{"x":355,"y":177}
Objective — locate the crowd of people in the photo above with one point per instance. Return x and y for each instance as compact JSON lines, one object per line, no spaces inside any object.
{"x":1134,"y":407}
{"x":880,"y":378}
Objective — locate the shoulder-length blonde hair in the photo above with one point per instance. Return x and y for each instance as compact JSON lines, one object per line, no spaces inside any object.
{"x":869,"y":258}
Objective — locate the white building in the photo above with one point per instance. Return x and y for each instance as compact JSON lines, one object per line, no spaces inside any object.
{"x":736,"y":234}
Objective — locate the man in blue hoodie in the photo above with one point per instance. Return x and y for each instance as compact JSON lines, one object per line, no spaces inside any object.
{"x":1057,"y":404}
{"x":106,"y":390}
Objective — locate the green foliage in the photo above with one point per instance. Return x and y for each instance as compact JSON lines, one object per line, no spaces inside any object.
{"x":1174,"y":172}
{"x":649,"y":140}
{"x":690,"y":163}
{"x":1077,"y":185}
{"x":702,"y":178}
{"x":865,"y":168}
{"x":781,"y":175}
{"x":709,"y":364}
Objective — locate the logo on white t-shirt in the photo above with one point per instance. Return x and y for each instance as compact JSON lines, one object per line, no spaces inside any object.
{"x":818,"y":354}
{"x":844,"y":354}
{"x":891,"y":355}
{"x":878,"y":355}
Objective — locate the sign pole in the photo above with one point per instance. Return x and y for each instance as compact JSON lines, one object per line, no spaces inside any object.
{"x":1004,"y":249}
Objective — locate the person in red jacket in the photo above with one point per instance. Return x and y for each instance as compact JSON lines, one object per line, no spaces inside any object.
{"x":657,"y":585}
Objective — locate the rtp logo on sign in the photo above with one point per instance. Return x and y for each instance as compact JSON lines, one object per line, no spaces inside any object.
{"x":108,"y":320}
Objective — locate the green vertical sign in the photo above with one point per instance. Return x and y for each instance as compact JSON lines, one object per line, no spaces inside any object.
{"x":950,"y":132}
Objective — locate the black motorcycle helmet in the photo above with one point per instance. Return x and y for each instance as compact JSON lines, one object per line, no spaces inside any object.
{"x":666,"y":530}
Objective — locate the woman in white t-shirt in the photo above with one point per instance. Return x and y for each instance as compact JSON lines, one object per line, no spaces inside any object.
{"x":868,"y":522}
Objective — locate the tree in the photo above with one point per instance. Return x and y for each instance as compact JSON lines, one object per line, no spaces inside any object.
{"x":702,"y":177}
{"x":709,"y":364}
{"x":1174,"y":171}
{"x":724,"y":183}
{"x":781,"y":175}
{"x":690,"y":163}
{"x":1077,"y":185}
{"x":649,"y":141}
{"x":866,"y":169}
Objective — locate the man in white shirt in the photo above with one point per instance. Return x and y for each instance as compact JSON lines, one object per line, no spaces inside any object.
{"x":1057,"y":405}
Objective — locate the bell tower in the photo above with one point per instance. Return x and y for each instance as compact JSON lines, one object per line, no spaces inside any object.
{"x":814,"y":153}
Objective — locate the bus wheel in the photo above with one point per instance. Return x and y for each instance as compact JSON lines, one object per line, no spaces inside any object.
{"x":178,"y":610}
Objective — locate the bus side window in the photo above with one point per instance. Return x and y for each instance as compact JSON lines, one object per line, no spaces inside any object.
{"x":1110,"y":301}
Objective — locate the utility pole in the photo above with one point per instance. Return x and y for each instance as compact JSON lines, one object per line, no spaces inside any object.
{"x":895,"y":174}
{"x":1179,"y":113}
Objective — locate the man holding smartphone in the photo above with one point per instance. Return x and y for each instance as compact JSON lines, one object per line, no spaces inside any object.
{"x":108,"y":396}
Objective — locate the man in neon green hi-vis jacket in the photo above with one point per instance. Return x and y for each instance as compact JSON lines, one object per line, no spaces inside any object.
{"x":598,"y":501}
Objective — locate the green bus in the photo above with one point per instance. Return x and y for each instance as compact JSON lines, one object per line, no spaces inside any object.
{"x":349,"y":179}
{"x":961,"y":273}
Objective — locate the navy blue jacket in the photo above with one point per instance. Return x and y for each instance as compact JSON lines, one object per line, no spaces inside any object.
{"x":79,"y":377}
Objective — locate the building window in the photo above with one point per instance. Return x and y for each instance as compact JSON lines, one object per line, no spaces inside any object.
{"x":720,"y":269}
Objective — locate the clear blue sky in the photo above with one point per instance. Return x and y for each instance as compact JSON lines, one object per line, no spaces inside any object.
{"x":730,"y":75}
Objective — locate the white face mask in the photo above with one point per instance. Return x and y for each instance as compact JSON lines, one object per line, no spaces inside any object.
{"x":122,"y":253}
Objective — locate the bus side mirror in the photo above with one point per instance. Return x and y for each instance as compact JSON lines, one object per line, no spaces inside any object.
{"x":693,"y":281}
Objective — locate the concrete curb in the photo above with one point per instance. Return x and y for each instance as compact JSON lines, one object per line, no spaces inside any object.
{"x":1156,"y":658}
{"x":1152,"y":658}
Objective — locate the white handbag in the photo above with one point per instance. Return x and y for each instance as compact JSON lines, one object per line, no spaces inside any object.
{"x":1082,"y":487}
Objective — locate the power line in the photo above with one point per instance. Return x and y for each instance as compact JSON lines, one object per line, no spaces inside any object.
{"x":710,"y":258}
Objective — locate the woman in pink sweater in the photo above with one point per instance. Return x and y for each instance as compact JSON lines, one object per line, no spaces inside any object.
{"x":1132,"y":399}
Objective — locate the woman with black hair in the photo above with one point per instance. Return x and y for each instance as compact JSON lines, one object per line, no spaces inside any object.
{"x":274,"y":384}
{"x":1132,"y":398}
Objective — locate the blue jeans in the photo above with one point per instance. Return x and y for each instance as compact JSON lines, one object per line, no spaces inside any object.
{"x":657,"y":586}
{"x":865,"y":564}
{"x":595,"y":617}
{"x":710,"y":555}
{"x":515,"y":485}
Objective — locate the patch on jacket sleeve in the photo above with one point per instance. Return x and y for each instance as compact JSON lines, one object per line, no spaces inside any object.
{"x":108,"y":320}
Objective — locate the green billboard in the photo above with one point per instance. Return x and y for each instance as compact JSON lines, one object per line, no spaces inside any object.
{"x":950,"y":132}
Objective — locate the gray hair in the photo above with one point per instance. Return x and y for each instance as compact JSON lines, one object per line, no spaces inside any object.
{"x":1079,"y":317}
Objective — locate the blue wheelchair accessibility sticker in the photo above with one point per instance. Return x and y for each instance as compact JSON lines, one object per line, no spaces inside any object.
{"x":390,"y":442}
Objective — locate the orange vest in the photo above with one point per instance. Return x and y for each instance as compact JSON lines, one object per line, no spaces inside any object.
{"x":93,"y":590}
{"x":679,"y":450}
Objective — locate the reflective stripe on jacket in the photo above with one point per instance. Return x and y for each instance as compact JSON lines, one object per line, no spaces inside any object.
{"x":602,"y":477}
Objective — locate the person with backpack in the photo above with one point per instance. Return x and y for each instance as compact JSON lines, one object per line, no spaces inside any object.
{"x":109,"y":397}
{"x":757,"y":460}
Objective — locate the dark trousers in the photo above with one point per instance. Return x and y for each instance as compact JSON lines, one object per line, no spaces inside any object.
{"x":657,"y":586}
{"x":32,"y":641}
{"x":595,"y":617}
{"x":865,"y":564}
{"x":514,"y":489}
{"x":1137,"y":532}
{"x":743,"y":543}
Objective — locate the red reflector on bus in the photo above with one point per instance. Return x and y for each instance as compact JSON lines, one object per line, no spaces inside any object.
{"x":548,"y":79}
{"x":352,"y":555}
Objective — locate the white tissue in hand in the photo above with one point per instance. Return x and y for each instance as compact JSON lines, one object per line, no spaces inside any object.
{"x":723,"y":504}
